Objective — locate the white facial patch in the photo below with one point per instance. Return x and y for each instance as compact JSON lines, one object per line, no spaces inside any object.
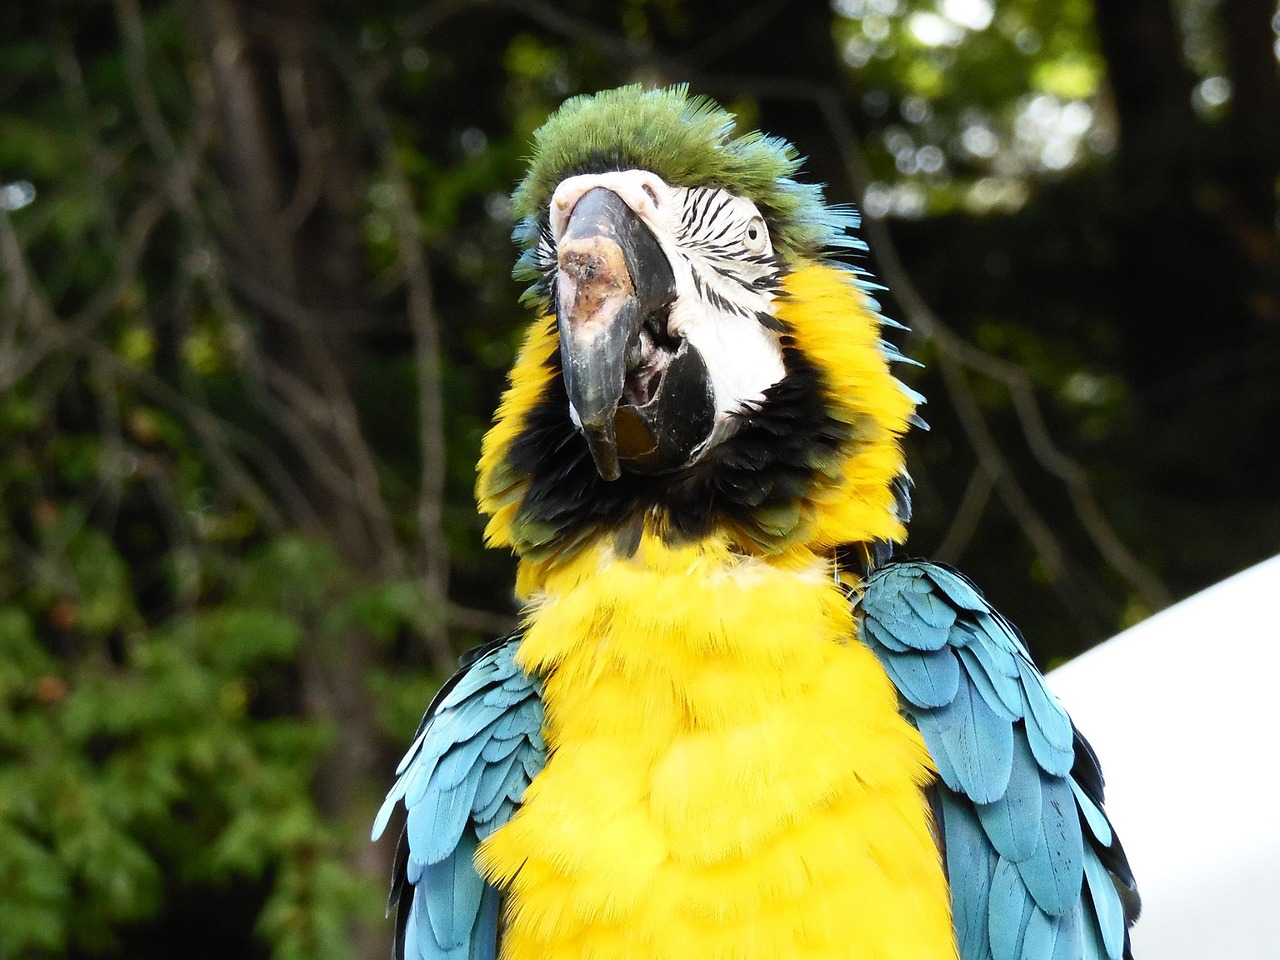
{"x":721,"y":256}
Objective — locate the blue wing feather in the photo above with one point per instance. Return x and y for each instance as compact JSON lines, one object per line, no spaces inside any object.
{"x":927,"y":679}
{"x":501,"y":812}
{"x":1012,"y":824}
{"x":933,"y":610}
{"x":1048,"y":727}
{"x":1054,"y":872}
{"x":1091,"y":932}
{"x":497,"y":750}
{"x":998,"y":688}
{"x":520,"y":721}
{"x":960,"y":591}
{"x":942,"y":760}
{"x":1051,"y":758}
{"x":1070,"y":943}
{"x":471,"y":682}
{"x":489,"y":817}
{"x":968,"y":855}
{"x":1099,"y":826}
{"x":1009,"y":912}
{"x":454,"y":909}
{"x":436,"y":825}
{"x":474,"y":755}
{"x":493,"y":781}
{"x":1107,"y":907}
{"x":484,"y":943}
{"x":1040,"y":937}
{"x":459,"y":762}
{"x":1036,"y":870}
{"x":412,"y":752}
{"x":407,"y":944}
{"x":978,"y":743}
{"x":884,"y":636}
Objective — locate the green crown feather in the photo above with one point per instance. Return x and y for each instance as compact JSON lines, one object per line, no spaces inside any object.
{"x":688,"y":141}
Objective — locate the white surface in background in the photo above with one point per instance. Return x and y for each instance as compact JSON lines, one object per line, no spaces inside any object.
{"x":1182,"y":710}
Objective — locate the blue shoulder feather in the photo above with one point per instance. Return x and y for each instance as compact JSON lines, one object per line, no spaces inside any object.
{"x":474,"y":754}
{"x":1035,"y":868}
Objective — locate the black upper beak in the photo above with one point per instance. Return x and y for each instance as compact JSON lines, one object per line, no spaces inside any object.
{"x":612,"y":276}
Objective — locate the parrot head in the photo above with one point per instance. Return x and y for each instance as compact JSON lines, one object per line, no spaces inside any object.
{"x":703,"y":364}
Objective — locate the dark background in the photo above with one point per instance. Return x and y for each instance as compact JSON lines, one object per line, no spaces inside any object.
{"x":256,"y":312}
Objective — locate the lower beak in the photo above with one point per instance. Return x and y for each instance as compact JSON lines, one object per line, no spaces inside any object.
{"x":612,"y":276}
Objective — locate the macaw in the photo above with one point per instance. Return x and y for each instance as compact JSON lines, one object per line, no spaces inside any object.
{"x":732,"y":726}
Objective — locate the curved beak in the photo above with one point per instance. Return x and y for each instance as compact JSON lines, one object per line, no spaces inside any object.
{"x":612,"y":276}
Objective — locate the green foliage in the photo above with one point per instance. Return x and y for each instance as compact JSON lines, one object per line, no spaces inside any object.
{"x":160,"y":754}
{"x":153,"y":732}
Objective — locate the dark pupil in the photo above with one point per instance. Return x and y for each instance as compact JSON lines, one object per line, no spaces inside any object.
{"x":751,"y":232}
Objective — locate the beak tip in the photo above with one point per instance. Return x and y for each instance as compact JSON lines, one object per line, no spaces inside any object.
{"x":604,"y":451}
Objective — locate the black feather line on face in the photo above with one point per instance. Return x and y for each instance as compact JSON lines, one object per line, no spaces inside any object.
{"x":771,"y":462}
{"x":770,"y":322}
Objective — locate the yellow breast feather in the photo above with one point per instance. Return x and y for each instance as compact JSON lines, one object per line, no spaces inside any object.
{"x":729,"y":776}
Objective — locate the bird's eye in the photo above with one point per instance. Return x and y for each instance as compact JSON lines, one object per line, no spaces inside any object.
{"x":756,"y":237}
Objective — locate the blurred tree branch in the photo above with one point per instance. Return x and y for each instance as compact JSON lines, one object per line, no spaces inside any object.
{"x":413,"y":269}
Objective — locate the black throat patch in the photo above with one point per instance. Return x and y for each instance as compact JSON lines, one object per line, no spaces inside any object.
{"x":755,"y":482}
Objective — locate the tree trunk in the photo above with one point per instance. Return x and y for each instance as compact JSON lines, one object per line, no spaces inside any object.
{"x":1252,"y":165}
{"x":1193,"y":225}
{"x":1150,"y":83}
